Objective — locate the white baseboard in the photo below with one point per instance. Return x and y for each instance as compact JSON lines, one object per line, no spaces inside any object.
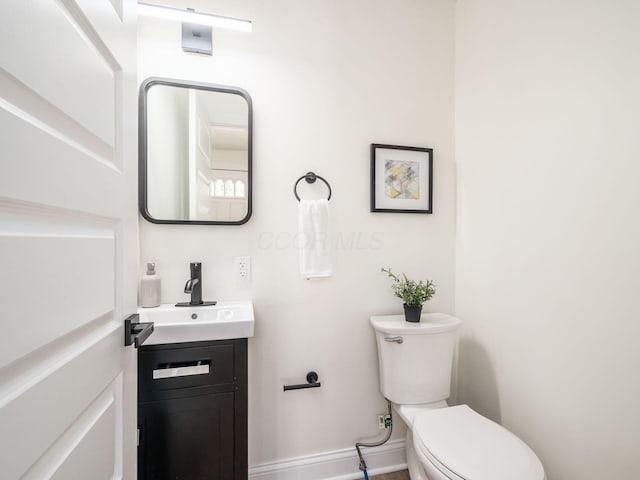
{"x":336,"y":465}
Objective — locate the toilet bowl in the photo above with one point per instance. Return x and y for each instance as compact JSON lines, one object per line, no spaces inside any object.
{"x":443,"y":442}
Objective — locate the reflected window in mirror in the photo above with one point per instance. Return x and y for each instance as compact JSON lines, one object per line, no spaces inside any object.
{"x":219,"y":188}
{"x":195,"y":153}
{"x":229,"y":189}
{"x":239,"y":188}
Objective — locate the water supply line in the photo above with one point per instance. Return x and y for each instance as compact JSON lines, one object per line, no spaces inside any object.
{"x":388,"y":424}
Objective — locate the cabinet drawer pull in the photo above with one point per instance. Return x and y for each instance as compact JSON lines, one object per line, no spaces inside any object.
{"x":171,"y":372}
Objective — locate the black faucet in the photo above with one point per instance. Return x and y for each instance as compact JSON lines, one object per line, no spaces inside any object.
{"x":194,"y":284}
{"x":194,"y":287}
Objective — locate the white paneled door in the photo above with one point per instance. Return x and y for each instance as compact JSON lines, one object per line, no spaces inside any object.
{"x":68,"y":249}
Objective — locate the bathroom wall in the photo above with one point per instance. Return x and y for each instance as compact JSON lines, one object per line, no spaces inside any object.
{"x":547,"y":144}
{"x":327,"y":79}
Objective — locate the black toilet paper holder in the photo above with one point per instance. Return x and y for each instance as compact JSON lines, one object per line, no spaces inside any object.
{"x":312,"y":382}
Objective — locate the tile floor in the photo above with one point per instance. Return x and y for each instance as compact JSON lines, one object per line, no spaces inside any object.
{"x":403,"y":475}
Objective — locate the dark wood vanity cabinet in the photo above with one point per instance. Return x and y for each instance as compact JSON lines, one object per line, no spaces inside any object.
{"x":192,"y":411}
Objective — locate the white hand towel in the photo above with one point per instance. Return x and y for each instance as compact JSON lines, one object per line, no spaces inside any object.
{"x":314,"y":238}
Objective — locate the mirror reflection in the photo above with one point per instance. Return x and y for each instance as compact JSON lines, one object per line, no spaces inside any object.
{"x":195,"y":153}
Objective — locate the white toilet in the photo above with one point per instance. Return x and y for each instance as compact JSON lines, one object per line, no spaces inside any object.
{"x":443,"y":443}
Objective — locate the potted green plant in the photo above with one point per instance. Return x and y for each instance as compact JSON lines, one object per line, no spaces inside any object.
{"x":412,"y":293}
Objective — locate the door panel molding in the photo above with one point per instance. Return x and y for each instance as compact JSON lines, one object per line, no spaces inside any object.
{"x":24,"y":103}
{"x":26,"y":372}
{"x":71,"y":78}
{"x":55,"y":401}
{"x":74,"y":446}
{"x":68,"y":224}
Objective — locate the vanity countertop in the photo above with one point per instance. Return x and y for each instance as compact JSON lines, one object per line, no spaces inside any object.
{"x":225,"y":320}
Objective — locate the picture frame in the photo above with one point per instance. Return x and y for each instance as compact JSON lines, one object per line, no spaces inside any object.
{"x":401,"y":179}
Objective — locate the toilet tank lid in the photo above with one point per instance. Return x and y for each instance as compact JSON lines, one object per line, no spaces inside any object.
{"x":473,"y":447}
{"x":429,"y":323}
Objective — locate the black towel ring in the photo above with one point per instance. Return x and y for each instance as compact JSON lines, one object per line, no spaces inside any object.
{"x":311,"y":177}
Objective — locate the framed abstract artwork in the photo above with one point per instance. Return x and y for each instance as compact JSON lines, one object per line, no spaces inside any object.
{"x":401,"y":179}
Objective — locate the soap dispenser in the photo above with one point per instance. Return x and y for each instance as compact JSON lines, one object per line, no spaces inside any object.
{"x":150,"y":287}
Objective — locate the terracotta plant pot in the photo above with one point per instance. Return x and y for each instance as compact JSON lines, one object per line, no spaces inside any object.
{"x":412,"y":314}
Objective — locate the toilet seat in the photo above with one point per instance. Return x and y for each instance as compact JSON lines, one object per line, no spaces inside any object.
{"x":464,"y":445}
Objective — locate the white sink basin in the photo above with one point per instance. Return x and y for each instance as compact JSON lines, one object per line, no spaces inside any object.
{"x":195,"y":324}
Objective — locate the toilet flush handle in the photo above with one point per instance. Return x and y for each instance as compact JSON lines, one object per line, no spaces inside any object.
{"x":394,"y":339}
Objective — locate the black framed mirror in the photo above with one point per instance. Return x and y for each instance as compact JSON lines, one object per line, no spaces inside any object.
{"x":195,"y":153}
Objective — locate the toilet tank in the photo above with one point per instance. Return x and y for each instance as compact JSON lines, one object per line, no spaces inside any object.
{"x":415,"y":359}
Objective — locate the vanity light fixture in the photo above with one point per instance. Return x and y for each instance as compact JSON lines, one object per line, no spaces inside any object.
{"x":191,"y":16}
{"x":196,"y":26}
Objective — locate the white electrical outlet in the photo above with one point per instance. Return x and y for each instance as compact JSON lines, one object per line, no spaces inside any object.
{"x":384,"y":421}
{"x":243,"y":268}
